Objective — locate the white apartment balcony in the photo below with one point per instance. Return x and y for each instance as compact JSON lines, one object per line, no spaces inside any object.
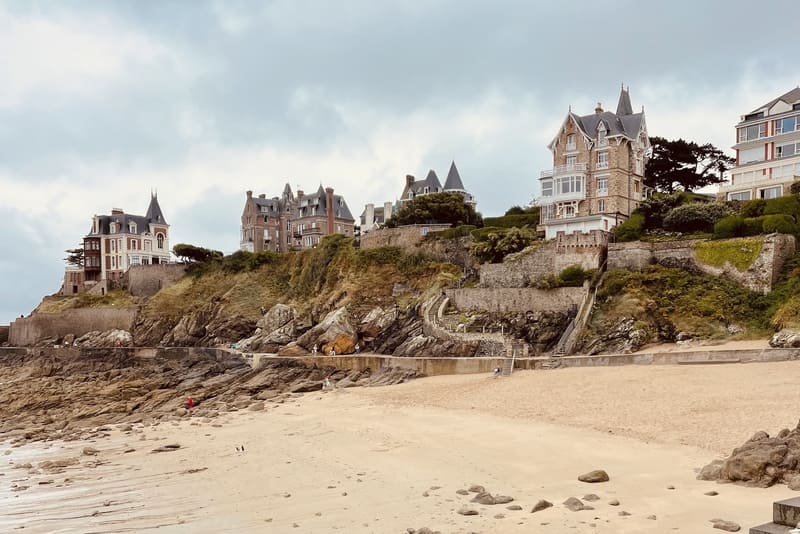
{"x":566,"y":169}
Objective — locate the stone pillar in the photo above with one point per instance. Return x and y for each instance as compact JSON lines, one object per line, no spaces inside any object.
{"x":387,"y":211}
{"x":369,"y":216}
{"x":330,"y":208}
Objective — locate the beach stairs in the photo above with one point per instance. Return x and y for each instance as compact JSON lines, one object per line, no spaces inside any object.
{"x":785,"y":517}
{"x":508,"y":367}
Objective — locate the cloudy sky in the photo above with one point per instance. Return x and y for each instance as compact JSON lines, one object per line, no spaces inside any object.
{"x":100,"y":102}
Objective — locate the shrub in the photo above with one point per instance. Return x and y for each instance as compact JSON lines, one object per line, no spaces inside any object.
{"x":741,"y":253}
{"x":753,"y":208}
{"x":781,"y":223}
{"x":630,"y":230}
{"x":511,"y":220}
{"x":753,"y":226}
{"x":783,"y":206}
{"x":730,"y":226}
{"x":499,"y":244}
{"x":574,"y":276}
{"x":695,"y":217}
{"x":451,"y":233}
{"x":657,"y":206}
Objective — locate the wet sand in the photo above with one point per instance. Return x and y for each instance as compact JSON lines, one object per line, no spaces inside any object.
{"x":366,"y":459}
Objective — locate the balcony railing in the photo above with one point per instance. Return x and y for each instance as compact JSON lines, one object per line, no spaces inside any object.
{"x":568,"y":168}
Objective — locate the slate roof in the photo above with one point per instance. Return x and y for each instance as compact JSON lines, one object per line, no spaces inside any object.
{"x":431,"y":182}
{"x":154,"y":215}
{"x":790,"y":97}
{"x":624,"y":105}
{"x":320,"y":200}
{"x":453,"y":181}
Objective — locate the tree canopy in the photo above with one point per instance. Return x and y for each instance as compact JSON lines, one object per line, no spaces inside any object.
{"x":74,"y":256}
{"x":191,"y":253}
{"x":442,"y":208}
{"x":684,"y":165}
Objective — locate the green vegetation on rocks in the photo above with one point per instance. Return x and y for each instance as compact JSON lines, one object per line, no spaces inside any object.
{"x":741,"y":253}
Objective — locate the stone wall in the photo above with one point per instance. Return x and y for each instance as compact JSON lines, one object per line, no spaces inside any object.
{"x":525,"y":268}
{"x":760,"y":276}
{"x":29,"y":330}
{"x":510,"y":300}
{"x":405,"y":237}
{"x":4,"y":333}
{"x":147,"y":280}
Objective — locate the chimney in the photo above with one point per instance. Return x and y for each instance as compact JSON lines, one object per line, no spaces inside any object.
{"x":599,"y":108}
{"x":300,"y":194}
{"x":409,"y":179}
{"x":262,"y":195}
{"x":249,"y":194}
{"x":330,"y":207}
{"x":369,"y":216}
{"x":387,"y":211}
{"x":116,"y":211}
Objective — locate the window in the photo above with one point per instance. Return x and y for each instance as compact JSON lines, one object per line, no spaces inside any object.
{"x":602,"y":140}
{"x":571,"y":142}
{"x":636,"y":186}
{"x":602,"y":160}
{"x":569,"y":210}
{"x":132,"y":227}
{"x":638,"y":166}
{"x":789,"y":124}
{"x":547,"y":188}
{"x":601,"y":206}
{"x":756,"y":131}
{"x":571,"y":160}
{"x":569,"y":184}
{"x":602,"y":185}
{"x":770,"y":192}
{"x":784,"y":151}
{"x":160,"y":240}
{"x":741,"y":195}
{"x":751,"y":154}
{"x":112,"y":228}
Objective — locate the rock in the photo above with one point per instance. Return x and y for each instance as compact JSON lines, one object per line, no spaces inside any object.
{"x":728,"y":526}
{"x":574,"y":504}
{"x":711,"y":471}
{"x":467,"y":511}
{"x":623,"y":513}
{"x":598,"y":475}
{"x":613,"y":502}
{"x":167,"y":448}
{"x":334,"y":332}
{"x":591,"y":497}
{"x":181,"y":412}
{"x":711,"y":493}
{"x":483,"y":498}
{"x":794,"y":483}
{"x":785,"y":339}
{"x":502,"y":499}
{"x":499,"y":516}
{"x":514,"y":507}
{"x":423,"y":530}
{"x":477,"y":489}
{"x":670,"y":487}
{"x":541,"y":505}
{"x":110,"y":338}
{"x":462,"y":492}
{"x":683,"y":336}
{"x":90,"y":451}
{"x":651,"y":517}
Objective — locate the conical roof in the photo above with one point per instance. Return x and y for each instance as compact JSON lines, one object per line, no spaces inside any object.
{"x":624,"y":106}
{"x":154,"y":213}
{"x":453,"y":181}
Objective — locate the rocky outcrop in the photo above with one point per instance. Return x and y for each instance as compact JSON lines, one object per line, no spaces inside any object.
{"x":274,"y":330}
{"x":208,"y":326}
{"x":422,"y":346}
{"x":541,"y":330}
{"x":112,"y":338}
{"x":761,"y":461}
{"x":63,"y":393}
{"x":334,"y":332}
{"x":785,"y":339}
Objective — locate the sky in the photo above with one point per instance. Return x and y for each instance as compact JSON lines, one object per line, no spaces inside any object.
{"x":103,"y":102}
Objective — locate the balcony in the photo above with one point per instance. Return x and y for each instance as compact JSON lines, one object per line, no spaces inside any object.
{"x":312,"y":231}
{"x":568,"y":168}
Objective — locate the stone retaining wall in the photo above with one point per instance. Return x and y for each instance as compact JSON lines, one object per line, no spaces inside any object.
{"x":405,"y":237}
{"x":510,"y":300}
{"x":4,"y":333}
{"x":29,"y":330}
{"x":147,"y":280}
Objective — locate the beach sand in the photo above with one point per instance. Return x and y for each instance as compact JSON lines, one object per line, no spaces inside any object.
{"x":368,"y":459}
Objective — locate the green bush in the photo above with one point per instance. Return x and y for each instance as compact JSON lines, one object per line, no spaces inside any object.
{"x":753,"y":208}
{"x":741,"y":253}
{"x":500,"y":244}
{"x":451,"y":233}
{"x":753,"y":226}
{"x":518,"y":220}
{"x":781,"y":223}
{"x":783,"y":206}
{"x":730,"y":226}
{"x":630,"y":230}
{"x":574,"y":276}
{"x":695,"y":217}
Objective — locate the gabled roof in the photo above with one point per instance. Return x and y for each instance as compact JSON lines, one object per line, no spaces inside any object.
{"x":453,"y":181}
{"x":790,"y":97}
{"x":319,"y":200}
{"x":154,"y":213}
{"x":625,"y":125}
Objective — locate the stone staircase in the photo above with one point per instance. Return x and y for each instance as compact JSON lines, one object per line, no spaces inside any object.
{"x":785,"y":517}
{"x":508,"y":367}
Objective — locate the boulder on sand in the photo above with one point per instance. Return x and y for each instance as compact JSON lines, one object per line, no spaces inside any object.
{"x":334,"y":333}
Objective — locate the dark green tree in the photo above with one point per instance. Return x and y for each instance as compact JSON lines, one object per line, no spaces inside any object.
{"x":442,"y":208}
{"x":74,"y":256}
{"x":684,"y":165}
{"x":193,"y":254}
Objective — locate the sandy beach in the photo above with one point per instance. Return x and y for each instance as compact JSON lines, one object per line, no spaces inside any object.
{"x":386,"y":459}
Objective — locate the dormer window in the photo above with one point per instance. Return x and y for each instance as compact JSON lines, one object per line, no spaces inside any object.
{"x":602,"y":140}
{"x":571,"y":142}
{"x":112,"y":228}
{"x":132,"y":227}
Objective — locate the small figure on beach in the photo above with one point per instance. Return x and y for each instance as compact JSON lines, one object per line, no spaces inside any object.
{"x":263,"y":310}
{"x":314,"y":349}
{"x":326,"y":384}
{"x":189,"y":402}
{"x":358,"y":348}
{"x":497,"y":372}
{"x":332,"y":352}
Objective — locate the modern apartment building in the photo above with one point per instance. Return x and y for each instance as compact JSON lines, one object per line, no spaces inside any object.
{"x":288,"y":222}
{"x":597,"y":178}
{"x":767,"y":150}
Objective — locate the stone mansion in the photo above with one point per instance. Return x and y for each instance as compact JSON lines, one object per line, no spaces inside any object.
{"x":292,"y":222}
{"x":597,"y":178}
{"x":117,"y":242}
